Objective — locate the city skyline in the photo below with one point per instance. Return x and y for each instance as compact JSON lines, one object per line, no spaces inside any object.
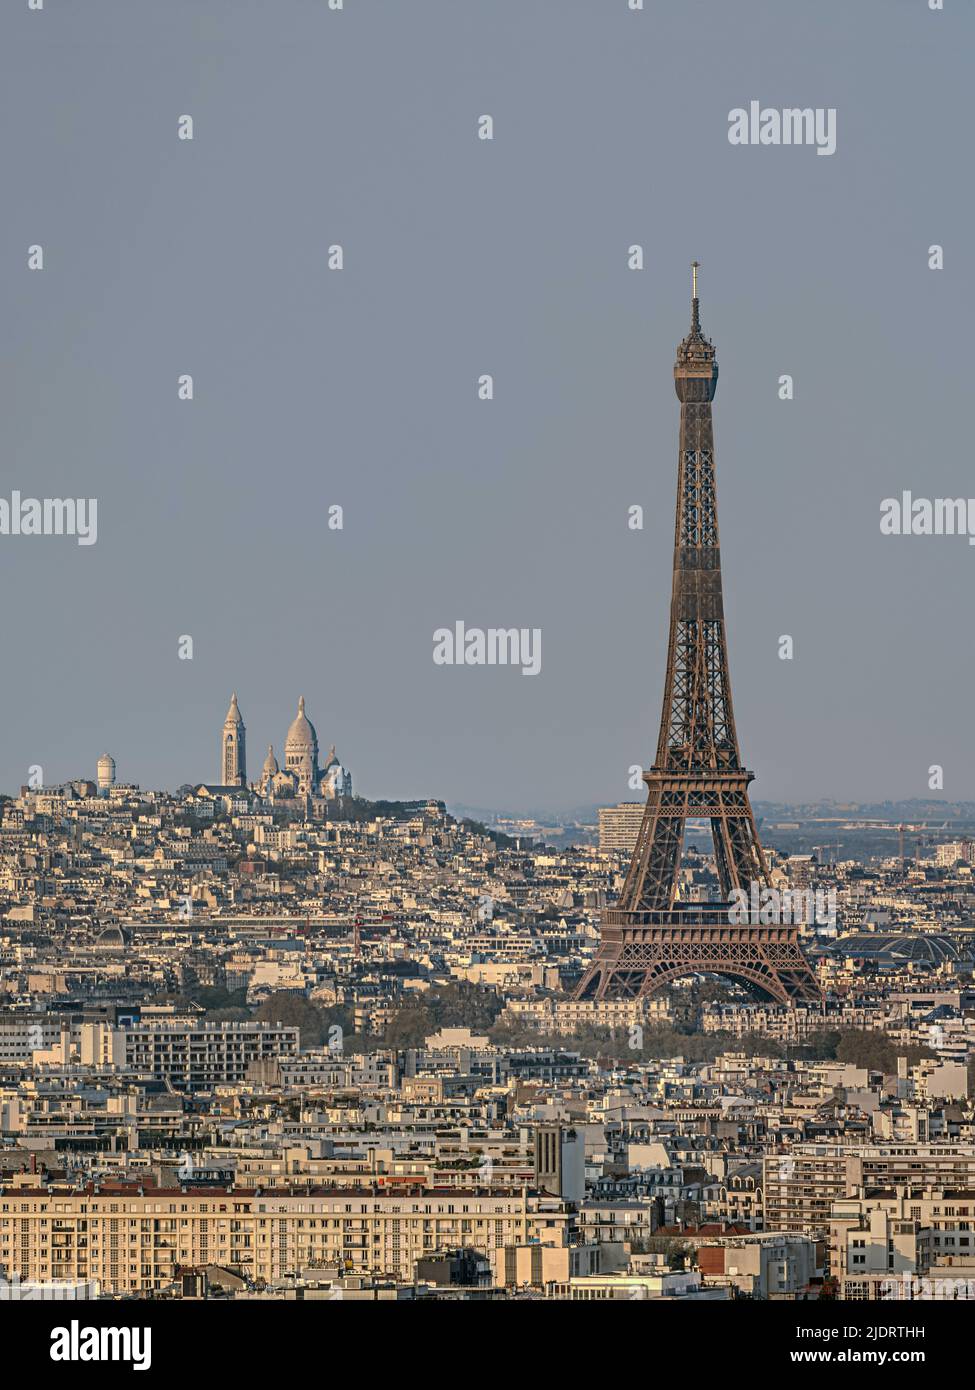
{"x":84,"y":770}
{"x":358,"y":388}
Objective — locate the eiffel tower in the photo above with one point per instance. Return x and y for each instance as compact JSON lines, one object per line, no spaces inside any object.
{"x":652,"y":937}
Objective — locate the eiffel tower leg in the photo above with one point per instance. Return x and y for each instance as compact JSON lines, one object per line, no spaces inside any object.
{"x":653,"y":869}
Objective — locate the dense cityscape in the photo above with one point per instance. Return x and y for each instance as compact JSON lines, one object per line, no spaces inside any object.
{"x":361,"y":349}
{"x":274,"y":1040}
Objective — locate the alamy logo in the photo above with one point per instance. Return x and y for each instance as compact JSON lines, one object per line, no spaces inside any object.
{"x":926,"y":516}
{"x":791,"y":126}
{"x":77,"y":1343}
{"x":50,"y":516}
{"x":494,"y":646}
{"x":761,"y":906}
{"x":19,"y":1290}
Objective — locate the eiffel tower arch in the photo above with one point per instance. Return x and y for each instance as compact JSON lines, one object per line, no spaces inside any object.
{"x":652,"y":937}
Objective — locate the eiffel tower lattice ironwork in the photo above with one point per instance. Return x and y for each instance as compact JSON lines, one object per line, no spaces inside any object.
{"x":652,"y":937}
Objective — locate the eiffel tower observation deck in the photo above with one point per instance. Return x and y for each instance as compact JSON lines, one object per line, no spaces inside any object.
{"x":652,"y":937}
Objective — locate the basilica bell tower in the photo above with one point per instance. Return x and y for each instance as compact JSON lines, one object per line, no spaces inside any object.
{"x":233,"y":748}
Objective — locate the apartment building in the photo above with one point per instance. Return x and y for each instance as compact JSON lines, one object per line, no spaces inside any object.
{"x":802,"y":1185}
{"x":135,"y":1239}
{"x":539,"y":1265}
{"x":567,"y":1016}
{"x":879,"y":1240}
{"x":619,"y":826}
{"x":22,"y":1033}
{"x":190,"y":1055}
{"x":200,"y":1056}
{"x":772,"y":1266}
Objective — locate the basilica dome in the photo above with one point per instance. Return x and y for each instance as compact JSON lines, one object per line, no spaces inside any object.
{"x":301,"y":736}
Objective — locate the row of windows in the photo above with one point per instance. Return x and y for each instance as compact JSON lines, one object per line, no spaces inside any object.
{"x":364,"y":1208}
{"x":169,"y":1228}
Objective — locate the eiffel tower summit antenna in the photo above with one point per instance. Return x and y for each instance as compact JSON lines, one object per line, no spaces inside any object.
{"x":653,"y":937}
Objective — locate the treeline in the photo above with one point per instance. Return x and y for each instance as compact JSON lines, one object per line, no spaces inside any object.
{"x":464,"y":1005}
{"x":872,"y":1050}
{"x":460,"y":1005}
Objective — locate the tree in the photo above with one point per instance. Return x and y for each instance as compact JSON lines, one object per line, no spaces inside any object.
{"x":295,"y":1011}
{"x":409,"y":1027}
{"x":818,"y":1047}
{"x":215,"y":997}
{"x":462,"y":1005}
{"x":875,"y":1051}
